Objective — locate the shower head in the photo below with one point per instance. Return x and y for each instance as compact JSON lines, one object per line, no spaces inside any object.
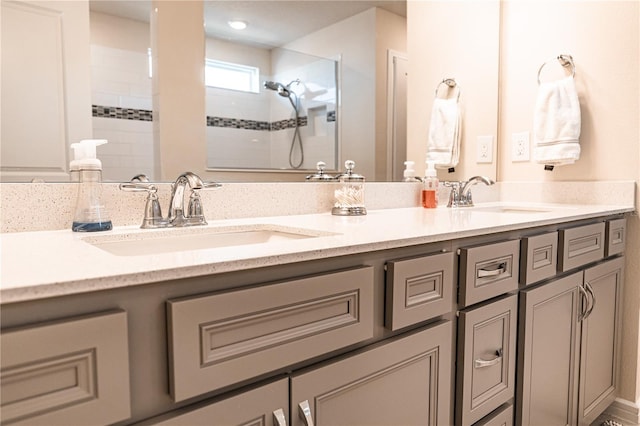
{"x":278,"y":87}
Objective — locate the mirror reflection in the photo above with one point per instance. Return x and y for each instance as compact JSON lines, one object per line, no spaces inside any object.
{"x":347,"y":40}
{"x":349,"y":91}
{"x":285,"y":120}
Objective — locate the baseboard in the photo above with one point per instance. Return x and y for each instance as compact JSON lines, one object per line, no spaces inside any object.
{"x":627,"y":411}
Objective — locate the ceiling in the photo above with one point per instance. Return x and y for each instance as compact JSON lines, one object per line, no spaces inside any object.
{"x":270,"y":22}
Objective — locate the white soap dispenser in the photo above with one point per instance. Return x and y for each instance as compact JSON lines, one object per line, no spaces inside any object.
{"x":409,"y":173}
{"x":90,"y":214}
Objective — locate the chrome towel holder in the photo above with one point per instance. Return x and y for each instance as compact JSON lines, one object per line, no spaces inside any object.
{"x":564,"y":60}
{"x":451,"y":84}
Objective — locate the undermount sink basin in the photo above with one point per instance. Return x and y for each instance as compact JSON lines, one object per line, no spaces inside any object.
{"x":197,"y":238}
{"x":513,"y":209}
{"x":517,"y":208}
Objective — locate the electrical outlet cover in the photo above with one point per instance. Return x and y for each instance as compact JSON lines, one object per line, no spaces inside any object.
{"x":484,"y":145}
{"x":520,"y":147}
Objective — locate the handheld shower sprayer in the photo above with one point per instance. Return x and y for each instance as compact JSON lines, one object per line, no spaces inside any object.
{"x":285,"y":92}
{"x":282,"y":90}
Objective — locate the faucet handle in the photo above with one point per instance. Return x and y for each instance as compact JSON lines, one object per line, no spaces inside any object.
{"x":152,"y":210}
{"x":209,"y":185}
{"x":195,"y":212}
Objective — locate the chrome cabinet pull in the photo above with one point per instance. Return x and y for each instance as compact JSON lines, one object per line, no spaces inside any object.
{"x":584,"y":296}
{"x":278,"y":418}
{"x":304,"y":410}
{"x":593,"y":300}
{"x":502,"y":268}
{"x":482,"y":363}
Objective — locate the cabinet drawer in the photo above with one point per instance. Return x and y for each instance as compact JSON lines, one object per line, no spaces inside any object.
{"x":486,"y":359}
{"x":488,"y":270}
{"x":418,"y":289}
{"x":405,"y":381}
{"x":580,"y":245}
{"x":503,"y":416}
{"x":616,"y":236}
{"x":225,"y":338}
{"x":258,"y":406}
{"x":71,"y":372}
{"x":538,"y":259}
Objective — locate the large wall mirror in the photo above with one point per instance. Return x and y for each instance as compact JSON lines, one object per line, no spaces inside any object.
{"x":336,"y":76}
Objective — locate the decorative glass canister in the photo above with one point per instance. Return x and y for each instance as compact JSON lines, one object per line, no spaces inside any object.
{"x":350,"y":194}
{"x":320,"y":175}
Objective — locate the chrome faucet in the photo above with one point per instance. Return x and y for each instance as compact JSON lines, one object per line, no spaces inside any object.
{"x":460,"y":195}
{"x":176,"y":217}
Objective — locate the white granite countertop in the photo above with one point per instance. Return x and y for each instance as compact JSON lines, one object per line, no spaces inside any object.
{"x":45,"y":264}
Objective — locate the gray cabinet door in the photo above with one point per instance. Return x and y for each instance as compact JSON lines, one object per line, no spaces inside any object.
{"x":547,"y":392}
{"x":485,"y":376}
{"x":599,"y":343}
{"x":404,"y":382}
{"x":267,"y":405}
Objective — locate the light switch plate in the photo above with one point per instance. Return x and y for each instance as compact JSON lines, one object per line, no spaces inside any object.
{"x":484,"y":145}
{"x":520,"y":147}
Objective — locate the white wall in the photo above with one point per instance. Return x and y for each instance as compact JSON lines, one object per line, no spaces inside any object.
{"x":603,"y":38}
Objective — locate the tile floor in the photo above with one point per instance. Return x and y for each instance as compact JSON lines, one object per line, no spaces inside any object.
{"x":607,"y":420}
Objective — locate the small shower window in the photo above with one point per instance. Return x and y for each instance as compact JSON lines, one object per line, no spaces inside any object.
{"x":227,"y":75}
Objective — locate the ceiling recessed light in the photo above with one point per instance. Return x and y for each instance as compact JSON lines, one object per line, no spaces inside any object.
{"x":237,"y":25}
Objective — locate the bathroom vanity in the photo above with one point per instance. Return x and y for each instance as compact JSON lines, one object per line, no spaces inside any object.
{"x":405,"y":316}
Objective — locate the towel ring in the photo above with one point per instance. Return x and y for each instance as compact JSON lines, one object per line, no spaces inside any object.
{"x":565,"y":61}
{"x":451,"y":83}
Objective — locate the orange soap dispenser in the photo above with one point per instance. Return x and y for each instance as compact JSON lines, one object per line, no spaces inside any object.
{"x":430,"y":184}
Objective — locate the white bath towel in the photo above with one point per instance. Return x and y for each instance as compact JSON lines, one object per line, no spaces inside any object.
{"x":443,"y":146}
{"x":556,"y":123}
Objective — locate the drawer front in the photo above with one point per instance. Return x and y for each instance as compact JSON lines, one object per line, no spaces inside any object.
{"x":538,"y":259}
{"x":418,"y":289}
{"x":486,"y":359}
{"x":580,"y":245}
{"x":489,"y":270}
{"x":616,"y":236}
{"x":225,"y":338}
{"x":405,"y":381}
{"x":503,"y":416}
{"x":71,"y":372}
{"x":266,"y":405}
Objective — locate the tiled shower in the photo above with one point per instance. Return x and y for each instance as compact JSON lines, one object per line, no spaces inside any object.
{"x":244,"y":130}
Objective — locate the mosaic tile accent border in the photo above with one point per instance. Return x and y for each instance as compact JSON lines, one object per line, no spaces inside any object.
{"x":235,"y":123}
{"x":121,"y":113}
{"x":288,"y":124}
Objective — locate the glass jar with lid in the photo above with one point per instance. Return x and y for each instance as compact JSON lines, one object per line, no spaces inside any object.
{"x":349,"y":195}
{"x":320,"y":175}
